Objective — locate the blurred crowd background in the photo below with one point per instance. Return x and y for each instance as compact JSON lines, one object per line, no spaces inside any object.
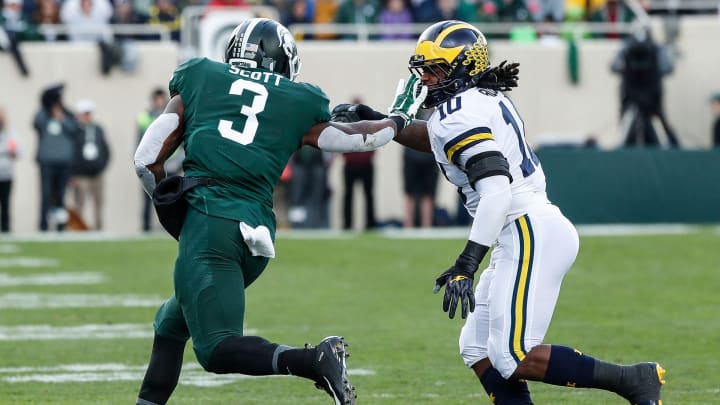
{"x":70,"y":156}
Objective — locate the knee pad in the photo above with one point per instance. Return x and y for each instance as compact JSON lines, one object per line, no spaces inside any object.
{"x":504,"y":361}
{"x":169,"y":321}
{"x":471,"y":350}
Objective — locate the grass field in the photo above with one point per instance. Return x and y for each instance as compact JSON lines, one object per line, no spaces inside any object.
{"x":75,"y":319}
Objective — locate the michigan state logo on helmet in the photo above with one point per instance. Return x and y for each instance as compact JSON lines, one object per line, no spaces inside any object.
{"x":264,"y":43}
{"x":453,"y":51}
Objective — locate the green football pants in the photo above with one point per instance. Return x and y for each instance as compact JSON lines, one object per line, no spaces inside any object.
{"x":212,"y":270}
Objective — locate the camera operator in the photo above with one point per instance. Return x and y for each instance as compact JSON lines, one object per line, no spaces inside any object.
{"x":642,"y":63}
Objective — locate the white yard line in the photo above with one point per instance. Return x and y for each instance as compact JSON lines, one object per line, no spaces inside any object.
{"x":19,"y":261}
{"x":79,"y":332}
{"x":192,"y":374}
{"x":583,"y":230}
{"x":48,"y":332}
{"x":8,"y":248}
{"x":8,"y":280}
{"x":38,"y":300}
{"x":454,"y":232}
{"x":631,"y":230}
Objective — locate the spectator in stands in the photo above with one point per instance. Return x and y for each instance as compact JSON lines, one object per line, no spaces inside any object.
{"x":92,"y":155}
{"x":15,"y":27}
{"x":56,"y":128}
{"x":125,"y":13}
{"x":173,"y":165}
{"x":164,"y":12}
{"x":89,"y":21}
{"x":324,"y":12}
{"x":360,"y":167}
{"x":8,"y":154}
{"x":128,"y":53}
{"x":420,"y":174}
{"x":478,"y":11}
{"x":357,"y":12}
{"x":158,"y":100}
{"x":47,"y":12}
{"x":715,"y":106}
{"x":309,"y":189}
{"x":448,"y":9}
{"x":283,"y":8}
{"x":548,"y":10}
{"x":214,"y":4}
{"x":512,"y":10}
{"x":396,"y":12}
{"x":425,"y":10}
{"x":299,"y":13}
{"x":613,"y":11}
{"x":641,"y":64}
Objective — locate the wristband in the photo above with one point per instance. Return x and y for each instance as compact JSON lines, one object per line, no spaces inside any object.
{"x":471,"y":256}
{"x":399,"y":121}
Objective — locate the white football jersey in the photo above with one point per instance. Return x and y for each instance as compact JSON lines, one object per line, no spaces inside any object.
{"x":482,"y":120}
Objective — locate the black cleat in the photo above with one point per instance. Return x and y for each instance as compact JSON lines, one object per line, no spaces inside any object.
{"x":644,"y":383}
{"x":331,"y":370}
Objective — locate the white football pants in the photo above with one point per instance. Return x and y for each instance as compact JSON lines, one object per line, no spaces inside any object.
{"x":516,"y":295}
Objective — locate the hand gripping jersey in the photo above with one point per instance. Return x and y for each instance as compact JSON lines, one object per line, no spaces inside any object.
{"x":482,"y":120}
{"x":241,"y":127}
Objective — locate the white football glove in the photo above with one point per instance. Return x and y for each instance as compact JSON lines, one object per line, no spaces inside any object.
{"x":406,"y":103}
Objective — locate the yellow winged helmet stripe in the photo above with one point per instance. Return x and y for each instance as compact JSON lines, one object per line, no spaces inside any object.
{"x":433,"y":50}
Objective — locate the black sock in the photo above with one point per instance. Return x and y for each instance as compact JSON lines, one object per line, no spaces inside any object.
{"x":569,"y":367}
{"x":249,"y":355}
{"x":297,"y":362}
{"x":505,"y":392}
{"x":253,"y":355}
{"x":163,"y":372}
{"x":607,"y":376}
{"x":572,"y":368}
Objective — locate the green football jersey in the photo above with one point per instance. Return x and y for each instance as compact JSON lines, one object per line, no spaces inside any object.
{"x":241,"y":127}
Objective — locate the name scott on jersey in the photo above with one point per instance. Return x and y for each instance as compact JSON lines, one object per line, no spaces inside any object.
{"x":265,"y":77}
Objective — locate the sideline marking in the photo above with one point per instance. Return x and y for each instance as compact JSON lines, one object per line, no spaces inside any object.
{"x":21,"y":261}
{"x":80,"y":332}
{"x":99,"y":331}
{"x":192,"y":374}
{"x":38,"y":300}
{"x":7,"y":280}
{"x":583,"y":230}
{"x":8,"y":248}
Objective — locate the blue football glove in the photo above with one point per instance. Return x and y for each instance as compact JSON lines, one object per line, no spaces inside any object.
{"x":407,"y":101}
{"x":458,"y":280}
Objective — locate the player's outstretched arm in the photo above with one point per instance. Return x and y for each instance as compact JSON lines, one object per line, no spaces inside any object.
{"x":158,"y":143}
{"x":414,"y":136}
{"x":409,"y":96}
{"x":358,"y":136}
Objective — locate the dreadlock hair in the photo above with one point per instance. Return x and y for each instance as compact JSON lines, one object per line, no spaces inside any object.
{"x":502,"y":77}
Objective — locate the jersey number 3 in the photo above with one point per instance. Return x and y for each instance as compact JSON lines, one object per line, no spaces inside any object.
{"x":247,"y":134}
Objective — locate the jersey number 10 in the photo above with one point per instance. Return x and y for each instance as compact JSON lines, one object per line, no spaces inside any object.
{"x":529,"y":159}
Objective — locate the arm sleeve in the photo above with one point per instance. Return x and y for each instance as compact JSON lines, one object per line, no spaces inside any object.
{"x":332,"y":139}
{"x":482,"y":163}
{"x":492,"y":209}
{"x":150,"y":146}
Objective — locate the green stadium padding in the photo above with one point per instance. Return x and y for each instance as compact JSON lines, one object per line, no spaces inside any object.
{"x":633,"y":185}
